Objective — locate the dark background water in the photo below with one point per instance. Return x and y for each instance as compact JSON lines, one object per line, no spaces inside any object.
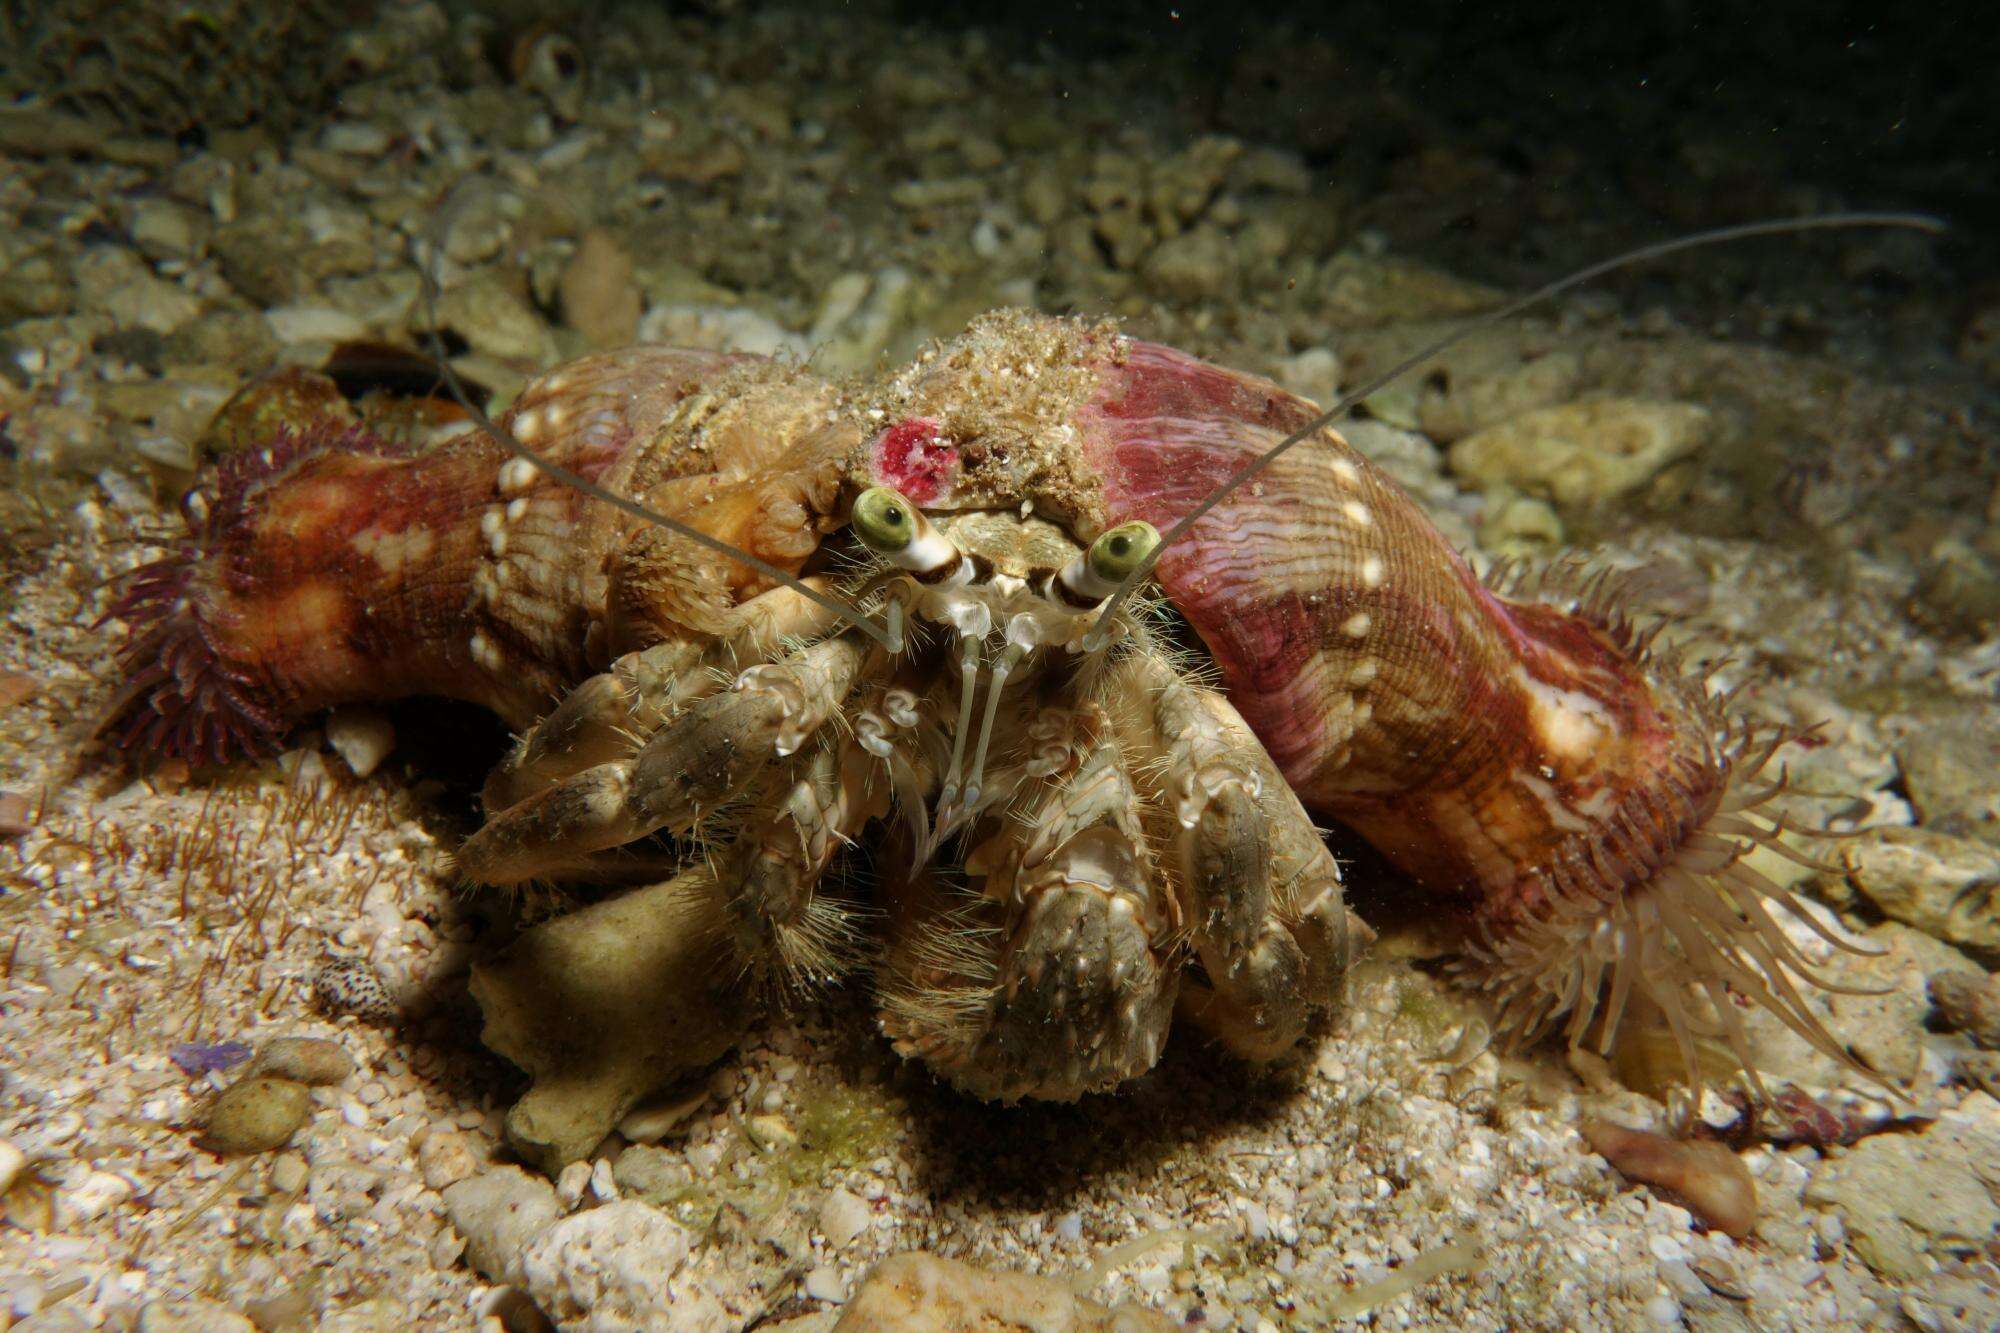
{"x":1510,"y":141}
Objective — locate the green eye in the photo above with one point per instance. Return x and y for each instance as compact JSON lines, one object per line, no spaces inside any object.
{"x":884,"y":520}
{"x":1120,"y":550}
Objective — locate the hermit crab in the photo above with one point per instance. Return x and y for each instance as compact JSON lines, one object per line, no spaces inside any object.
{"x":1066,"y":632}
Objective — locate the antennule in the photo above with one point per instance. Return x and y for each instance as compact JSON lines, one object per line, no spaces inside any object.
{"x":889,"y":638}
{"x":1644,"y":254}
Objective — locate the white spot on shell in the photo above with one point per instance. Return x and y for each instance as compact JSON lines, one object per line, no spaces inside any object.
{"x":1364,"y":671}
{"x":1346,"y":471}
{"x":1358,"y":513}
{"x":557,"y":414}
{"x":485,"y":652}
{"x":528,"y":425}
{"x":1357,"y":625}
{"x":516,"y":474}
{"x":1373,"y":571}
{"x":516,"y":508}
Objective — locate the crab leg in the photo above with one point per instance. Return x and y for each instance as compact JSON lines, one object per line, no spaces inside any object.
{"x":1059,"y":982}
{"x":607,"y":717}
{"x":776,"y":923}
{"x":1269,"y":924}
{"x":707,"y":755}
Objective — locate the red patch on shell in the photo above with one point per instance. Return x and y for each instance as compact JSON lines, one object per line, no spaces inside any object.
{"x":916,"y":458}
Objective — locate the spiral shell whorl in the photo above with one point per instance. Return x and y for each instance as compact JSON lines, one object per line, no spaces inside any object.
{"x":1582,"y":800}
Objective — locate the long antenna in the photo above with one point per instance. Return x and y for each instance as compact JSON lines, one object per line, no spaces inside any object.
{"x":890,"y":638}
{"x":1249,"y":472}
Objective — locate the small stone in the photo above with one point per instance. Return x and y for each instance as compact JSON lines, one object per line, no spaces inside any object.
{"x":918,"y":1292}
{"x":191,"y":1315}
{"x":603,"y":1184}
{"x":1907,"y":1199}
{"x":118,"y":283}
{"x":649,"y":1122}
{"x":1517,"y":523}
{"x":615,"y":1268}
{"x":1969,"y":1002}
{"x":352,"y":986}
{"x":822,"y":1283}
{"x":17,"y":687}
{"x":12,"y":1162}
{"x":1199,"y":265}
{"x":362,"y":736}
{"x":842,"y":1217}
{"x":1958,"y":591}
{"x":381,"y":1314}
{"x":289,"y":1173}
{"x":482,"y":221}
{"x":597,"y":292}
{"x":163,"y":229}
{"x":1366,"y":290}
{"x":289,"y":1308}
{"x":17,"y":817}
{"x":93,"y":1196}
{"x":1313,"y":374}
{"x":355,"y":138}
{"x":445,"y":1157}
{"x":499,"y":1212}
{"x":1709,"y":1179}
{"x":854,"y":336}
{"x":1946,"y":886}
{"x":654,"y":1174}
{"x":490,"y":315}
{"x":255,"y":1114}
{"x":313,"y":324}
{"x":313,"y":1061}
{"x":1980,"y":1069}
{"x":446,"y":1248}
{"x":571,"y":1184}
{"x":1581,"y":454}
{"x":1946,"y":762}
{"x":772,"y":1132}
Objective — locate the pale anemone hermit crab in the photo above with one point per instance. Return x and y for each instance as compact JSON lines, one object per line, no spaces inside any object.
{"x":904,"y":604}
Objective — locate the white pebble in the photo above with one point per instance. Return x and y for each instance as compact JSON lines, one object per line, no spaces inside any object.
{"x":98,"y":1192}
{"x":313,"y":324}
{"x":571,"y":1184}
{"x":842,"y":1217}
{"x":1666,"y":1248}
{"x":363,"y":737}
{"x":823,"y":1284}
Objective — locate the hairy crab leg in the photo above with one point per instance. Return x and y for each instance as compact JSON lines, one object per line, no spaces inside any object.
{"x":610,"y":715}
{"x":786,"y":934}
{"x":699,"y":760}
{"x":1065,"y":982}
{"x":1263,"y":894}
